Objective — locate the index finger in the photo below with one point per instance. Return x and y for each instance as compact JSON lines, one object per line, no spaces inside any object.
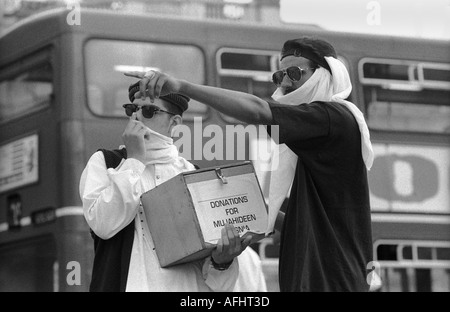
{"x":143,"y":87}
{"x":233,"y":237}
{"x":135,"y":74}
{"x":219,"y":246}
{"x":131,"y":122}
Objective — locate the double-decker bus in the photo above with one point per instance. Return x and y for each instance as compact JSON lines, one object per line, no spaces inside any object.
{"x":61,"y":93}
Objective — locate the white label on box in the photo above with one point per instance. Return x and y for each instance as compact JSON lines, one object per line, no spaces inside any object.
{"x":239,"y":202}
{"x":19,"y":163}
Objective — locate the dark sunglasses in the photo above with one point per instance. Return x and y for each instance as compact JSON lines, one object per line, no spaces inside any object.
{"x":294,"y":73}
{"x":148,"y":111}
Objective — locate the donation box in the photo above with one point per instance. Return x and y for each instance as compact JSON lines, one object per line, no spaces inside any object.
{"x":187,"y":213}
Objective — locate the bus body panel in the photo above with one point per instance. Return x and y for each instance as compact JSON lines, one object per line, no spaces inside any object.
{"x":69,"y":131}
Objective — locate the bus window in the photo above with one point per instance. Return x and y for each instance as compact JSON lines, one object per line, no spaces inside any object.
{"x":245,"y":61}
{"x":406,"y":96}
{"x":376,"y":72}
{"x":248,"y":71}
{"x":413,"y":265}
{"x":434,"y":75}
{"x":107,"y":86}
{"x":25,"y":86}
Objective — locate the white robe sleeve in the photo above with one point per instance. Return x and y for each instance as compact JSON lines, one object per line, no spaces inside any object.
{"x":110,"y":196}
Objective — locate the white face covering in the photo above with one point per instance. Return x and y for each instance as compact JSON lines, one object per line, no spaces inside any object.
{"x":159,"y":148}
{"x":321,"y":86}
{"x":316,"y":88}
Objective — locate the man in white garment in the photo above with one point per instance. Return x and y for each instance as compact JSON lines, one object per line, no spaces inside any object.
{"x":112,"y":208}
{"x":326,"y":235}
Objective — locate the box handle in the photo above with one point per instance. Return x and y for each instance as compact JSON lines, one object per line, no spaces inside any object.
{"x":220,"y":175}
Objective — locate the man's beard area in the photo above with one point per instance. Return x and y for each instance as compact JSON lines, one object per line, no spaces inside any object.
{"x":288,"y":90}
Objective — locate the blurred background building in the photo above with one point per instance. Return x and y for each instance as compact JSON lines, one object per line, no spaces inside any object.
{"x":413,"y":18}
{"x":251,"y":11}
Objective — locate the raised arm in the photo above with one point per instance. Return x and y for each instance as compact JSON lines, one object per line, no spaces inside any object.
{"x":243,"y":106}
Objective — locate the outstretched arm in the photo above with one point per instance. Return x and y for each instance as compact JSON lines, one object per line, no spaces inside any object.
{"x":243,"y":106}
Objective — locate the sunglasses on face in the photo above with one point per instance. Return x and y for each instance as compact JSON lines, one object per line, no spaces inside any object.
{"x":148,"y":111}
{"x":294,"y":73}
